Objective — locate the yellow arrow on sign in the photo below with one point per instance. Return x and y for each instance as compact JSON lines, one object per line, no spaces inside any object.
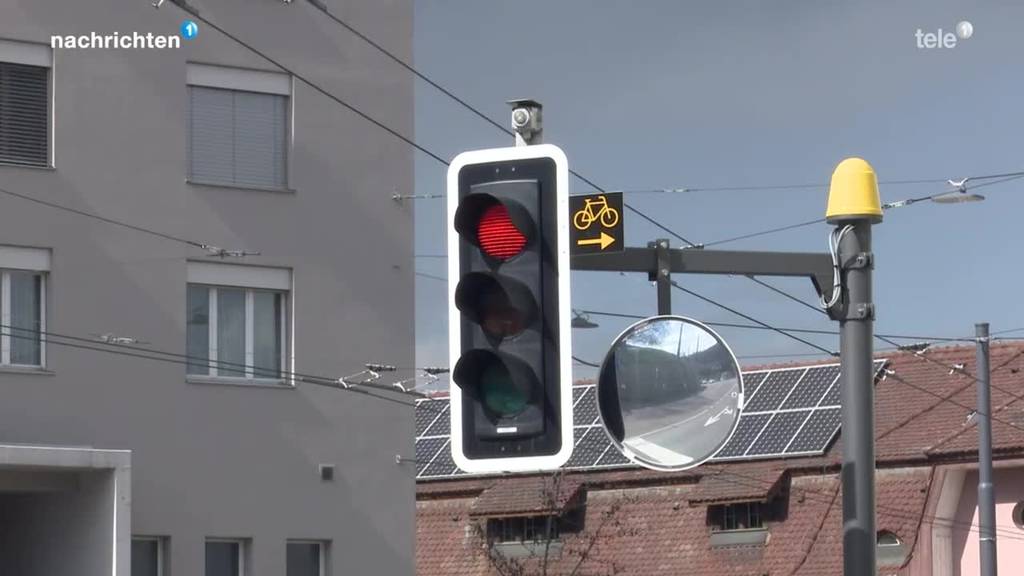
{"x":604,"y":240}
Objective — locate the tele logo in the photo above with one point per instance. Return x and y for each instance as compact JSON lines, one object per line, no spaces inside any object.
{"x":940,"y":39}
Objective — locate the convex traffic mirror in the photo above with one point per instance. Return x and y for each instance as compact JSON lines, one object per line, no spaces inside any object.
{"x":670,"y":393}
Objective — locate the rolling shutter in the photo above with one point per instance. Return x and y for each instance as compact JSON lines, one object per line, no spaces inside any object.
{"x":237,"y":138}
{"x":24,"y":114}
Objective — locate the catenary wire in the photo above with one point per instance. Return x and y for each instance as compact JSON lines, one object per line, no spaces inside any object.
{"x":431,"y":154}
{"x":1009,"y":532}
{"x":796,"y":330}
{"x":104,"y":219}
{"x":639,"y":213}
{"x":752,"y":319}
{"x":186,"y":360}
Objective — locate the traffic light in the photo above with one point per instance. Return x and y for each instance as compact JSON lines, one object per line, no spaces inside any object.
{"x":509,"y":321}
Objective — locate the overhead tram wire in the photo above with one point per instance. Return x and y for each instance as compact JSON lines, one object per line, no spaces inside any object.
{"x":940,"y":339}
{"x":1009,"y":532}
{"x":426,"y":151}
{"x":752,"y":319}
{"x":438,"y":158}
{"x":322,"y":7}
{"x":105,"y":219}
{"x":432,"y":277}
{"x":145,"y":353}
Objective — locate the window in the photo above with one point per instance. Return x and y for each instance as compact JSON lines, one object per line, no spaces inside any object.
{"x":236,"y":321}
{"x":225,"y":558}
{"x":147,"y":556}
{"x":238,"y":127}
{"x":532,"y":529}
{"x":742,"y":516}
{"x":307,"y":558}
{"x":1018,"y":515}
{"x":24,"y":103}
{"x":889,"y":549}
{"x":23,"y":305}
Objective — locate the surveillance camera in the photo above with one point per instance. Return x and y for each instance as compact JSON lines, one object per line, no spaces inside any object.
{"x":521,"y":117}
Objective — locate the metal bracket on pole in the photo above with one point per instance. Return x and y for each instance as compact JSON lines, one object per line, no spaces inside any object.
{"x":859,"y":261}
{"x":662,"y":275}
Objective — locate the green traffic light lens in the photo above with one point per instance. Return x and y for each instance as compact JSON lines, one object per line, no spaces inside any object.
{"x":500,"y":394}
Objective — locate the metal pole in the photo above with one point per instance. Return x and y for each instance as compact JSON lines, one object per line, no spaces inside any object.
{"x":856,"y":327}
{"x":986,"y":488}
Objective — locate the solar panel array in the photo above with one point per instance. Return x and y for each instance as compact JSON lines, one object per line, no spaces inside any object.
{"x":788,"y":412}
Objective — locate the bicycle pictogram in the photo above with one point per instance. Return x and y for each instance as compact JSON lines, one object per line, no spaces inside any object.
{"x":586,"y":216}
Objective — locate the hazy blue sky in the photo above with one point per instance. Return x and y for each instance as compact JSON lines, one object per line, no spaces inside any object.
{"x":674,"y":94}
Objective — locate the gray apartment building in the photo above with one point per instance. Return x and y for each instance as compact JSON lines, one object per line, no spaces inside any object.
{"x":152,"y":422}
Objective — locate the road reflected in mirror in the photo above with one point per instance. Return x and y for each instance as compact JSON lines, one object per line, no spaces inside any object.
{"x":669,"y":393}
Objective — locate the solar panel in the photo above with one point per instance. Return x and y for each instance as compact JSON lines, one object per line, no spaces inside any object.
{"x":752,"y":381}
{"x":426,"y":450}
{"x":442,"y":425}
{"x":789,"y":412}
{"x":817,"y":430}
{"x":426,"y":413}
{"x":746,"y":432}
{"x":811,"y":388}
{"x":778,"y":433}
{"x":589,"y":447}
{"x":585,"y":410}
{"x":776,"y":387}
{"x":442,"y":465}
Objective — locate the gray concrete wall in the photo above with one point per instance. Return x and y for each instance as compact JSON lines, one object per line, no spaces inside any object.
{"x":209,"y":460}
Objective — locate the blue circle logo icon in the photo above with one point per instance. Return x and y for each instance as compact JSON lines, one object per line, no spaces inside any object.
{"x":189,"y":29}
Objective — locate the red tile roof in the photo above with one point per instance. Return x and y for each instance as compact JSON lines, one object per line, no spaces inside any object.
{"x":644,"y":522}
{"x":524,"y":496}
{"x":759,"y":484}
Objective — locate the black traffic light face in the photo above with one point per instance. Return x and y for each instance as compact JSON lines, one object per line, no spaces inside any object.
{"x":508,"y":368}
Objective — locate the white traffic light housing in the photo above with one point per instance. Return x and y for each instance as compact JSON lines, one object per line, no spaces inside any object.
{"x":509,"y":313}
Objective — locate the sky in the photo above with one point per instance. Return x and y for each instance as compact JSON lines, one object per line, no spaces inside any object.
{"x":687,"y":94}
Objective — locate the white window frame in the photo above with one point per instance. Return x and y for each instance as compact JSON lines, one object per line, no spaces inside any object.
{"x":250,"y":353}
{"x":161,"y":542}
{"x":39,"y":55}
{"x":242,"y":543}
{"x":250,"y":80}
{"x":322,"y":546}
{"x":22,"y":259}
{"x":213,"y":276}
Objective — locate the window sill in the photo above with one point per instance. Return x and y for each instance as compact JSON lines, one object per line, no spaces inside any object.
{"x":28,"y":166}
{"x":27,"y":370}
{"x":748,"y":537}
{"x":240,"y":187}
{"x":528,"y":549}
{"x":243,"y":382}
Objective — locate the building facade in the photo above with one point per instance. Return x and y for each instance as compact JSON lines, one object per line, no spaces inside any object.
{"x":190,"y":239}
{"x":746,"y":514}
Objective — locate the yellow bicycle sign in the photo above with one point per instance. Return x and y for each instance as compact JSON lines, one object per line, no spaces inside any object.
{"x":595,"y":210}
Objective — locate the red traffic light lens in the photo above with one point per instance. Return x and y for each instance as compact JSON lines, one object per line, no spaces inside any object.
{"x":498,"y":236}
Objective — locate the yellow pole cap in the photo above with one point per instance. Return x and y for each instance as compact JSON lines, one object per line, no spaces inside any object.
{"x":853,"y":194}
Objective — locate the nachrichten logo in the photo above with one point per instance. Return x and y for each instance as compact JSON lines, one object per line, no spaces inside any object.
{"x":129,"y":41}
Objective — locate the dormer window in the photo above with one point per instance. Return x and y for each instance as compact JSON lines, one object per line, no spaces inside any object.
{"x":737,"y":524}
{"x":734,"y":517}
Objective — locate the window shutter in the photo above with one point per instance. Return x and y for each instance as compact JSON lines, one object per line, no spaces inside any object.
{"x":211,"y":149}
{"x":24,"y":114}
{"x":259,"y":139}
{"x":237,"y":138}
